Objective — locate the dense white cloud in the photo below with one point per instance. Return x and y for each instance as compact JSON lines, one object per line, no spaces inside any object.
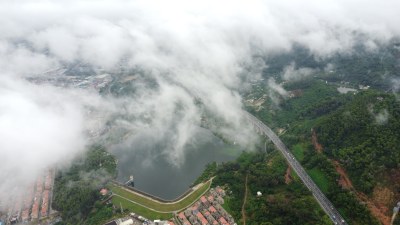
{"x":190,"y":48}
{"x":382,"y":117}
{"x":37,"y":131}
{"x":20,"y":60}
{"x":290,"y":73}
{"x":276,"y":91}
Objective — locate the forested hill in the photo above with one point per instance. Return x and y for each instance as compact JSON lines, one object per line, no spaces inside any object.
{"x":283,"y":200}
{"x":376,"y":68}
{"x":337,"y":134}
{"x":364,"y":135}
{"x":76,"y":190}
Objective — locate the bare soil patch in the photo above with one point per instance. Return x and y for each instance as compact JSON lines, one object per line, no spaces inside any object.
{"x":381,"y":197}
{"x":314,"y":140}
{"x":376,"y":211}
{"x":344,"y":180}
{"x":288,"y":175}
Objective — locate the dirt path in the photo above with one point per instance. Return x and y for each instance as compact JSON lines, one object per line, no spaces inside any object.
{"x":244,"y":202}
{"x":393,"y":218}
{"x":288,"y":176}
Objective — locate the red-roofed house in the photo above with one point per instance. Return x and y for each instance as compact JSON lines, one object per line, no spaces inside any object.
{"x":202,"y":218}
{"x":220,"y":191}
{"x":203,"y":199}
{"x":223,"y":221}
{"x":183,"y":218}
{"x":212,"y":209}
{"x":103,"y":191}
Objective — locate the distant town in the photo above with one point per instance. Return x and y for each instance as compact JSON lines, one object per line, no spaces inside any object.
{"x":35,"y":205}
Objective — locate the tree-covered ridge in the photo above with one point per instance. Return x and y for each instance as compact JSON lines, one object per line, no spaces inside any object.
{"x":77,"y":190}
{"x":364,"y":135}
{"x":298,"y":116}
{"x":361,"y":65}
{"x":280,"y":203}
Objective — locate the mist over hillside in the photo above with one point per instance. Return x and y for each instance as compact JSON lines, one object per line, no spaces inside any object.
{"x":73,"y":73}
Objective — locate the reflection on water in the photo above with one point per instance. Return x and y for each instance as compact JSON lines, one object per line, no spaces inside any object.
{"x":155,"y":175}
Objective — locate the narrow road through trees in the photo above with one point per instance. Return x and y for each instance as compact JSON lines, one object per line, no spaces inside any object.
{"x":244,"y":201}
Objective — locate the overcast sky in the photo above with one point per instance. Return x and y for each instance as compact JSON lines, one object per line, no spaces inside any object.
{"x":201,"y":46}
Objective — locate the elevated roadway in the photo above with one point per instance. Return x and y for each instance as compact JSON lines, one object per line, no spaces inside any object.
{"x":323,"y":201}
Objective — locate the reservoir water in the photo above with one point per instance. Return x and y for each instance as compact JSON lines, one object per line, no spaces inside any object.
{"x":155,"y":174}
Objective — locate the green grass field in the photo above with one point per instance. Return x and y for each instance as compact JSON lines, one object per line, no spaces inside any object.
{"x":319,"y":178}
{"x":187,"y":201}
{"x":227,"y":202}
{"x":298,"y":152}
{"x":147,"y":213}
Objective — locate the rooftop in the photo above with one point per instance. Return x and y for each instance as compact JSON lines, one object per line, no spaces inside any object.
{"x":223,"y":221}
{"x":202,"y":218}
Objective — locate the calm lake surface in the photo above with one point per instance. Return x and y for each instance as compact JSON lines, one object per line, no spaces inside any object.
{"x":154,"y":174}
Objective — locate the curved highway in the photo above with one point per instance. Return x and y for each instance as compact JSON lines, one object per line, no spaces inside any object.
{"x":324,"y":202}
